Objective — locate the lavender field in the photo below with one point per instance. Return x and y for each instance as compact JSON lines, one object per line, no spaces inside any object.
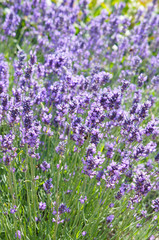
{"x":79,"y":120}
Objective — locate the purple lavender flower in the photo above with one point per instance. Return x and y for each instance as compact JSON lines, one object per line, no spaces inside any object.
{"x":26,"y":106}
{"x":110,"y":218}
{"x":11,"y":23}
{"x":33,"y":58}
{"x":99,"y":175}
{"x":141,"y":79}
{"x":4,"y":75}
{"x":83,"y":199}
{"x":13,"y":210}
{"x":152,"y":237}
{"x":48,"y":185}
{"x":92,"y":163}
{"x":155,"y":204}
{"x":111,"y":205}
{"x":157,"y":157}
{"x":84,"y":233}
{"x":142,"y":183}
{"x":7,"y":159}
{"x":113,"y":174}
{"x":38,"y":219}
{"x":61,"y":148}
{"x":2,"y":88}
{"x":69,"y":91}
{"x":110,"y":151}
{"x":63,"y":209}
{"x":44,"y":166}
{"x":138,"y":225}
{"x":151,"y":128}
{"x":18,"y":234}
{"x":42,"y":206}
{"x":7,"y":141}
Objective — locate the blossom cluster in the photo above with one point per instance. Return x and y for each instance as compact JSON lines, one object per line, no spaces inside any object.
{"x":91,"y":83}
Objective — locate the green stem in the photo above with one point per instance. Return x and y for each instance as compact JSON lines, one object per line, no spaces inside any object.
{"x":12,"y":193}
{"x":34,"y":197}
{"x":26,"y":183}
{"x":57,"y":202}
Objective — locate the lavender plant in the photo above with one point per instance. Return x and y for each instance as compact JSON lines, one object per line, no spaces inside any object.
{"x":78,"y":121}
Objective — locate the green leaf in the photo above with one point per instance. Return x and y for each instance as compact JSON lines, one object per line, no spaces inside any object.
{"x":103,"y":5}
{"x":92,"y":4}
{"x":77,"y":235}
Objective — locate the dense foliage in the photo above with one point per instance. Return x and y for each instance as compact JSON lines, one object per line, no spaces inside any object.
{"x":79,"y":126}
